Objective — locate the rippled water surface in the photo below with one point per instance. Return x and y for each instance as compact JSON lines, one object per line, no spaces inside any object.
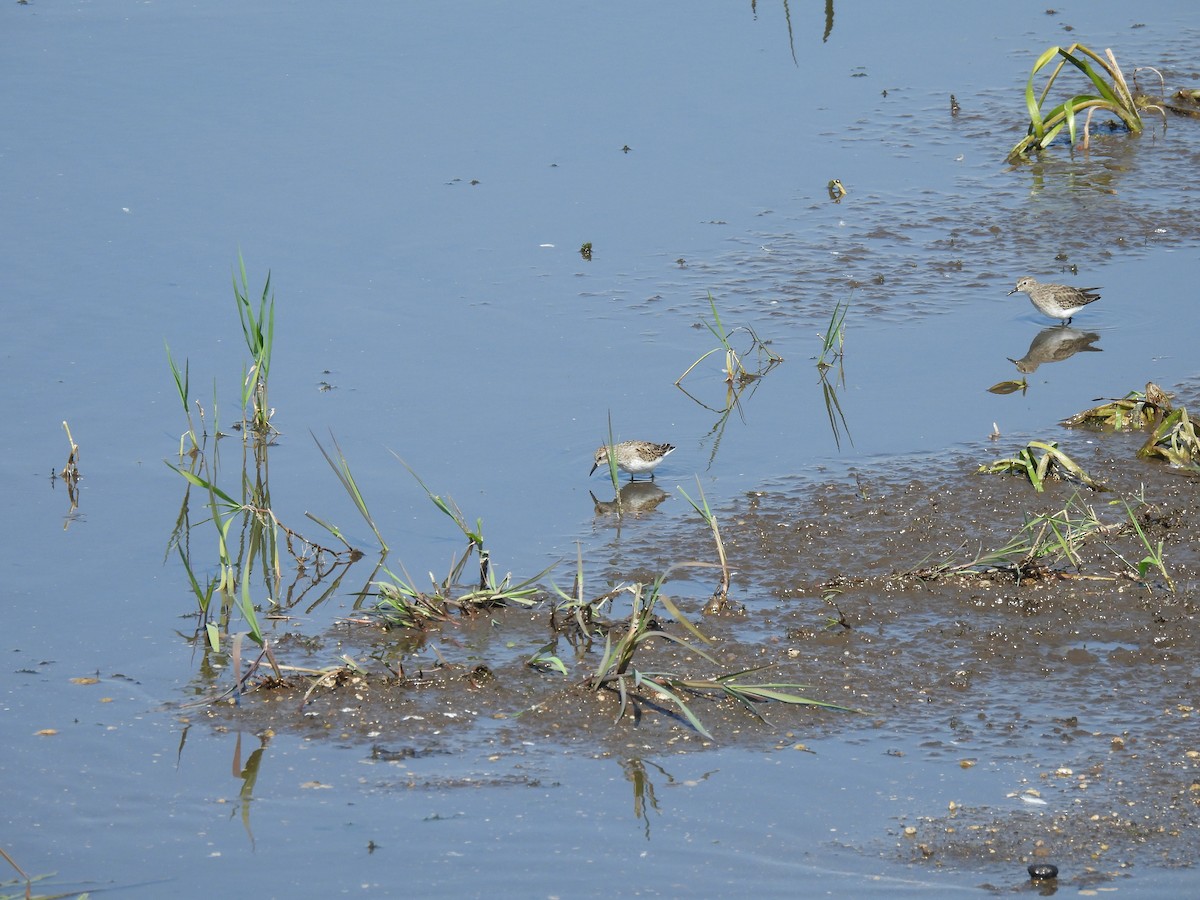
{"x":419,"y":180}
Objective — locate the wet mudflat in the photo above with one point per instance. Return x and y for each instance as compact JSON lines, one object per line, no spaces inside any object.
{"x":434,"y":305}
{"x":1072,"y":690}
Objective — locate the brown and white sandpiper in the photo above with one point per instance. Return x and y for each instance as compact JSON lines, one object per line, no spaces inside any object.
{"x":1058,"y":301}
{"x":634,"y":457}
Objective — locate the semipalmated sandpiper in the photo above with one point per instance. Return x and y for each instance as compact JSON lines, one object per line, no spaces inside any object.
{"x":1058,"y":301}
{"x":634,"y":457}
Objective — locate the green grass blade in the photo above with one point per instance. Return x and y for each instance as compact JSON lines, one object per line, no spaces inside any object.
{"x":683,"y":708}
{"x":341,"y":469}
{"x":208,"y":486}
{"x":682,"y":620}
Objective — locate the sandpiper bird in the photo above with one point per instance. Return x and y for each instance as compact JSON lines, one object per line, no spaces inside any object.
{"x":1058,"y":301}
{"x":634,"y":457}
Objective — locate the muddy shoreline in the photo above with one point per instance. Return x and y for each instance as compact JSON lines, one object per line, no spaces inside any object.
{"x":1083,"y":678}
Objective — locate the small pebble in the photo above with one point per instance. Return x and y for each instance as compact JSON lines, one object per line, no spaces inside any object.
{"x":1042,"y":871}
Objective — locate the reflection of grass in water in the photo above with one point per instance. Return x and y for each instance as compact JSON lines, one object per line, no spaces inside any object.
{"x":27,"y":882}
{"x":737,"y":377}
{"x":833,"y":346}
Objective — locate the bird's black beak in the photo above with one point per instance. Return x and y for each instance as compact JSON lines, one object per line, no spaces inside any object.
{"x":595,"y":466}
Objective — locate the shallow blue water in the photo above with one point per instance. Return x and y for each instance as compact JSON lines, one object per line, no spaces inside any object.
{"x":460,"y":328}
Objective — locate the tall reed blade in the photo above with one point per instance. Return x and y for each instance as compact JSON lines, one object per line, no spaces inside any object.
{"x":258,"y":331}
{"x":341,"y":468}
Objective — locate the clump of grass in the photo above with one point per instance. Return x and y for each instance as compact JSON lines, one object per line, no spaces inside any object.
{"x":402,"y":604}
{"x":225,"y":510}
{"x":582,"y":613}
{"x":1173,"y":439}
{"x":1136,"y":409}
{"x":1112,"y":96}
{"x":543,"y":660}
{"x":258,"y":330}
{"x":1058,"y":537}
{"x":1172,"y":434}
{"x":260,"y":542}
{"x":741,"y":382}
{"x":1052,"y":463}
{"x":1042,"y":540}
{"x":182,"y":387}
{"x":735,"y":370}
{"x":616,"y":670}
{"x":720,"y":598}
{"x":833,"y":341}
{"x":1154,"y":557}
{"x":474,"y":535}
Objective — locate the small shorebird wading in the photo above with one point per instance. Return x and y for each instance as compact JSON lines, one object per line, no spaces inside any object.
{"x":634,"y":457}
{"x":1058,"y":301}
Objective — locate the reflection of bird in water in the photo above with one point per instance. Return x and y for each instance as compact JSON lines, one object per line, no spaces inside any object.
{"x":1054,"y":344}
{"x":638,"y":498}
{"x":634,"y":457}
